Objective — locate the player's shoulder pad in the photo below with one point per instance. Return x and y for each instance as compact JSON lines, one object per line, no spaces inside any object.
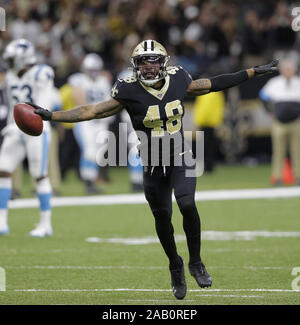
{"x":43,"y":72}
{"x":172,"y":70}
{"x":128,"y":80}
{"x":120,"y":87}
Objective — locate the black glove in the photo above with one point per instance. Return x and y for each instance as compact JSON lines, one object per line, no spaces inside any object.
{"x":268,"y":68}
{"x":44,"y":113}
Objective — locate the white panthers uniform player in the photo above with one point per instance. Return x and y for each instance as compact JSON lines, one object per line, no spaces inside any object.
{"x":26,"y":82}
{"x":96,"y":87}
{"x":35,"y":86}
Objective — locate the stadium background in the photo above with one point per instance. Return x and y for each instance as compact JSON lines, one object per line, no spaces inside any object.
{"x":207,"y":38}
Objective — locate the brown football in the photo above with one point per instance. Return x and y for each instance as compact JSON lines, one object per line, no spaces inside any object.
{"x":29,"y":122}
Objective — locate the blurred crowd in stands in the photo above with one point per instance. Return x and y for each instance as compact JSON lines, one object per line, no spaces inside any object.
{"x":206,"y":37}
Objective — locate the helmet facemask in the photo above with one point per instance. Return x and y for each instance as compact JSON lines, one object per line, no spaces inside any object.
{"x":150,"y":68}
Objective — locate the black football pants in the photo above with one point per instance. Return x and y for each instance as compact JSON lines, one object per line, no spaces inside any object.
{"x":158,"y":185}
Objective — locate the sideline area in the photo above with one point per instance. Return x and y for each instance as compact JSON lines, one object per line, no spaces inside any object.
{"x":116,"y":199}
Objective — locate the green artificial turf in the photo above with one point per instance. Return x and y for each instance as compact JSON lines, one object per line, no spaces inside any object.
{"x":66,"y":269}
{"x":224,"y":177}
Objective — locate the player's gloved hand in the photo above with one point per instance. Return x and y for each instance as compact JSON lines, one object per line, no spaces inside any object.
{"x":44,"y":113}
{"x":267,"y":68}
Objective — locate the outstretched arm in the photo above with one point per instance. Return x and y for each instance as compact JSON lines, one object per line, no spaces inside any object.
{"x":203,"y":86}
{"x":81,"y":113}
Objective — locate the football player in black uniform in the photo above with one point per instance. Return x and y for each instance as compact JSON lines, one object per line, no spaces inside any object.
{"x":153,"y":97}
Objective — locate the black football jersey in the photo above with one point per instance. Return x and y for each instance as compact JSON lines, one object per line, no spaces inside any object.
{"x":157,"y":113}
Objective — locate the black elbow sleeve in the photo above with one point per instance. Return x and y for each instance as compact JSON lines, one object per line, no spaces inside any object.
{"x":228,"y":80}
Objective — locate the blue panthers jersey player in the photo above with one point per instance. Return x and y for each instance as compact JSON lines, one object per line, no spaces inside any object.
{"x":153,"y":97}
{"x":26,"y":81}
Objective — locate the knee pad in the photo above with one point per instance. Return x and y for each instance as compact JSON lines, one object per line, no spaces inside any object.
{"x":163,"y":222}
{"x":186,"y":202}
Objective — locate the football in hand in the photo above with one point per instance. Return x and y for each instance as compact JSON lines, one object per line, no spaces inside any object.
{"x":29,"y":122}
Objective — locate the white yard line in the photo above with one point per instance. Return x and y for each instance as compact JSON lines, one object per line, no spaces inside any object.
{"x":191,"y":300}
{"x":247,"y":290}
{"x":133,"y":267}
{"x":241,"y":194}
{"x":230,"y":296}
{"x":205,"y":235}
{"x":155,"y":300}
{"x":83,"y":267}
{"x":155,"y":290}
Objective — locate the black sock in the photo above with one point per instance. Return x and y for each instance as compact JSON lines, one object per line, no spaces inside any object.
{"x":192,"y":229}
{"x":165,"y":233}
{"x":194,"y":248}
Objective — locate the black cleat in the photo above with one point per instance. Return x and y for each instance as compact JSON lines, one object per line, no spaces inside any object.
{"x":178,"y":281}
{"x":198,"y":271}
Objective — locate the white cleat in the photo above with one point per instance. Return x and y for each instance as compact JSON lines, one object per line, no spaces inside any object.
{"x":41,"y":231}
{"x":4,"y":230}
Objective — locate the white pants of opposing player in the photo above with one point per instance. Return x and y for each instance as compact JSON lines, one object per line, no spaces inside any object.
{"x":15,"y":147}
{"x":86,"y":135}
{"x":18,"y":145}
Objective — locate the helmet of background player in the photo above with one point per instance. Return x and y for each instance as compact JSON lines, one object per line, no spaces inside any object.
{"x":149,"y":61}
{"x":92,"y":64}
{"x":19,"y":54}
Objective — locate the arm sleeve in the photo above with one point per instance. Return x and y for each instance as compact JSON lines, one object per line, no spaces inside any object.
{"x":228,"y":80}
